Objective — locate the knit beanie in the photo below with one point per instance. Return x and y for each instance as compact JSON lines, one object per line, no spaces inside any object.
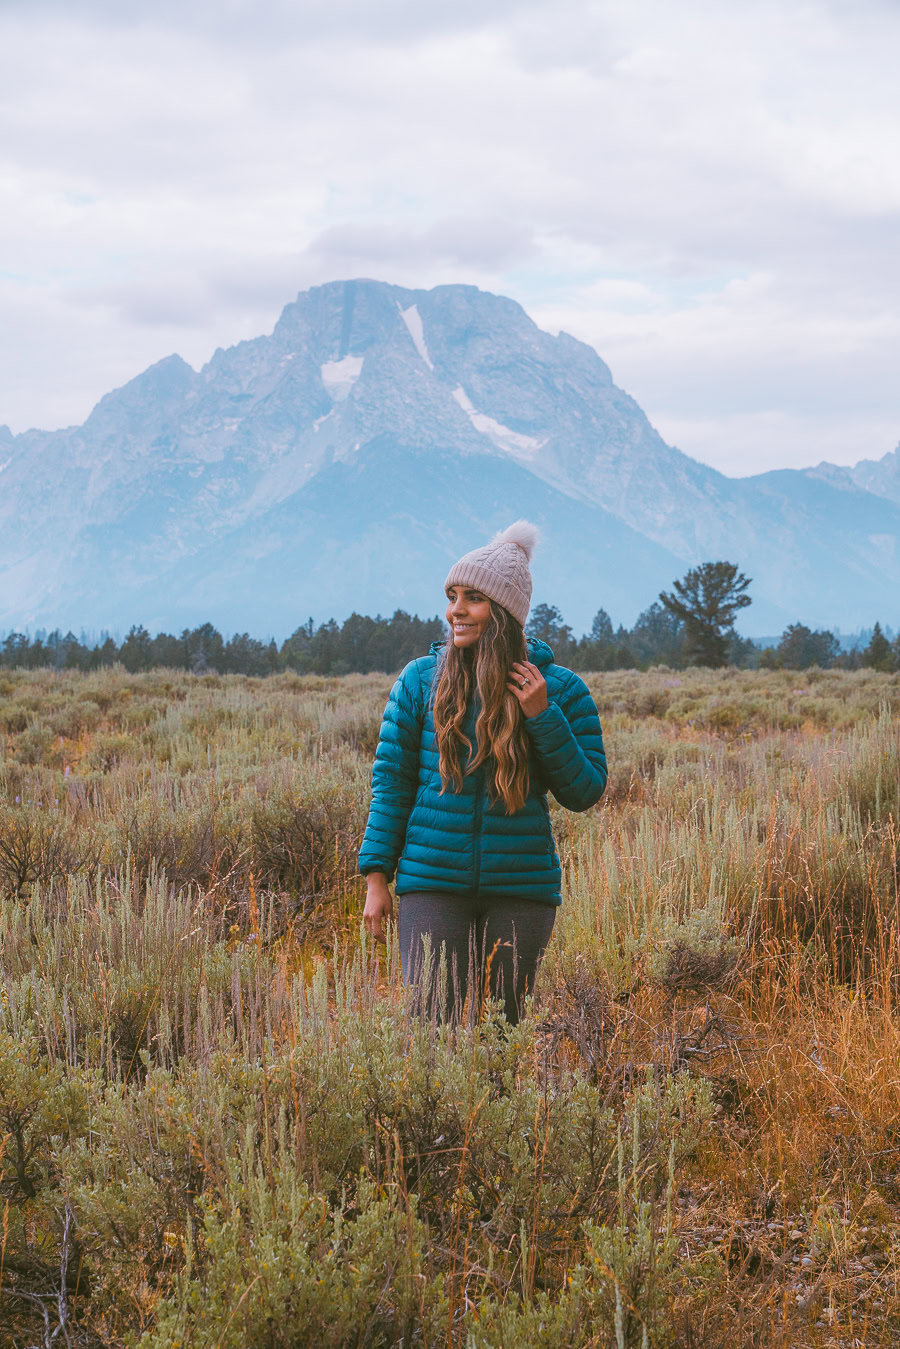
{"x":500,"y":569}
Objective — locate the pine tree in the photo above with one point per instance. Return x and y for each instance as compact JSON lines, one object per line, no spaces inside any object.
{"x":706,"y":601}
{"x":135,"y":652}
{"x":800,"y":648}
{"x":657,"y":637}
{"x":879,"y":653}
{"x":602,"y":628}
{"x":546,"y":625}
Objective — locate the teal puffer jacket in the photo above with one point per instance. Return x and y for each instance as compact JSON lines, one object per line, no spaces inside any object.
{"x":460,"y":842}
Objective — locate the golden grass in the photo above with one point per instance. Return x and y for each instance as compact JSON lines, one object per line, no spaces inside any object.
{"x":222,"y":1122}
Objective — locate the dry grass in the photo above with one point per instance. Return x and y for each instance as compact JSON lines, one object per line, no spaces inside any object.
{"x":222,"y":1122}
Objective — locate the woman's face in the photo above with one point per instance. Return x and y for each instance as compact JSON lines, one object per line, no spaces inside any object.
{"x":467,"y":613}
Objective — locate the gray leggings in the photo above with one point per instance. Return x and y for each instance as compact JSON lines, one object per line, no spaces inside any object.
{"x":508,"y":936}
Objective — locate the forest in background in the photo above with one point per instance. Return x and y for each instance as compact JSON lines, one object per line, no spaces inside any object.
{"x":365,"y":645}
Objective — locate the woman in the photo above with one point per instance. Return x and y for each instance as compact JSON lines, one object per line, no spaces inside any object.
{"x":473,"y":736}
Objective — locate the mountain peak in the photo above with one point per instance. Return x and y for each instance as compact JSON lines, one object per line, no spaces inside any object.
{"x":879,"y":476}
{"x":376,"y":428}
{"x":171,"y":375}
{"x":143,"y":404}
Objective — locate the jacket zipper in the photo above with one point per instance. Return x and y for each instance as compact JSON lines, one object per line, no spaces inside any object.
{"x":479,"y":811}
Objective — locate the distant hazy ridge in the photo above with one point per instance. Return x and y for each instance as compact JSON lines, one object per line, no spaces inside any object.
{"x":346,"y":460}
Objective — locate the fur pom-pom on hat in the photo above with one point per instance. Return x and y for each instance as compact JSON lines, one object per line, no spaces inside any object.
{"x":523,"y":533}
{"x":500,"y":568}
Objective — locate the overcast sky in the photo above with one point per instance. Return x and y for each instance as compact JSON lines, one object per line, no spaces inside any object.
{"x":708,"y":192}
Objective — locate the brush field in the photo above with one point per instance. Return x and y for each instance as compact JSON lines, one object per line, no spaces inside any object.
{"x":224,"y":1125}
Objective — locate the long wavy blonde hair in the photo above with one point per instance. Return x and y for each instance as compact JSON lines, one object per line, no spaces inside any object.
{"x":499,"y":731}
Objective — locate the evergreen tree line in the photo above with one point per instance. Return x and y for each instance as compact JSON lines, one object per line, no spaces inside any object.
{"x":691,"y":625}
{"x":362,"y":645}
{"x":359,"y":645}
{"x":658,"y":639}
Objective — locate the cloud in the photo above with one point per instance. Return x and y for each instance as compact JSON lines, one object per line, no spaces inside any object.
{"x":709,"y":195}
{"x":481,"y":245}
{"x":190,"y":298}
{"x":241,"y":21}
{"x":755,"y":442}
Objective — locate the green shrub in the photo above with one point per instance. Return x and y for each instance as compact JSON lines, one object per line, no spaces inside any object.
{"x":37,"y":847}
{"x":75,"y":718}
{"x":13,"y":718}
{"x":697,"y":954}
{"x":300,"y":840}
{"x":36,"y":745}
{"x":40,"y":1106}
{"x":271,"y":1259}
{"x":108,"y":750}
{"x":191,"y":844}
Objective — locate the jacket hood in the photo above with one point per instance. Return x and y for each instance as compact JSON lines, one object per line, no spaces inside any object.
{"x":539,"y":653}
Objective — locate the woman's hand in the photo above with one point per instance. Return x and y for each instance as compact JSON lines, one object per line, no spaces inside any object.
{"x":528,"y":685}
{"x":379,"y":904}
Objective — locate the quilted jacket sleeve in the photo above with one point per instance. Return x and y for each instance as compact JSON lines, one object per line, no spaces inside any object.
{"x":394,"y":775}
{"x":569,"y":743}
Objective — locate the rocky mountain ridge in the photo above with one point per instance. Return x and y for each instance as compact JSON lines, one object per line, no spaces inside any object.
{"x":343,"y":461}
{"x":881,"y":476}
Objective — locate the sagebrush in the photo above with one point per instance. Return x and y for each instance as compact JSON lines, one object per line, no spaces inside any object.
{"x":224,"y":1122}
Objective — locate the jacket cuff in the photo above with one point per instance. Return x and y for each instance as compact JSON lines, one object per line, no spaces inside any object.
{"x":542,"y":726}
{"x":366,"y":867}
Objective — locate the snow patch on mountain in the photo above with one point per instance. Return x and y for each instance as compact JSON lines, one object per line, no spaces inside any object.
{"x":339,"y":377}
{"x":413,"y":320}
{"x":513,"y":442}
